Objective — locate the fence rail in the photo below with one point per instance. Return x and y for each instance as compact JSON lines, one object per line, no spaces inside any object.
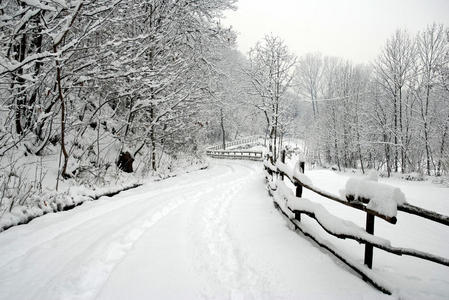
{"x":292,"y":206}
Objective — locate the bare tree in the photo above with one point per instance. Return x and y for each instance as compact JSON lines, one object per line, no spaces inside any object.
{"x":432,"y":47}
{"x":395,"y":71}
{"x":308,"y":75}
{"x":271,"y":72}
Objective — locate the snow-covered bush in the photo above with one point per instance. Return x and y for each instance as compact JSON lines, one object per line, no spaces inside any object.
{"x":415,"y":176}
{"x":18,"y":184}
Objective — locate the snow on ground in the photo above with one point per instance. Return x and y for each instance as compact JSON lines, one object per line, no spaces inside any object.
{"x":209,"y":234}
{"x":415,"y":278}
{"x":39,"y":201}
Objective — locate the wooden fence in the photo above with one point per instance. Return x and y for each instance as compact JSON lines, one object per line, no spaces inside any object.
{"x":284,"y":197}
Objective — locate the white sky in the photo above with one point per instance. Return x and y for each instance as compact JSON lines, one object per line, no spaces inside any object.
{"x":352,"y":29}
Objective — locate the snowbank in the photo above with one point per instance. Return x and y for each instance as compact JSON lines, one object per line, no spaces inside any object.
{"x":49,"y":202}
{"x":54,"y":202}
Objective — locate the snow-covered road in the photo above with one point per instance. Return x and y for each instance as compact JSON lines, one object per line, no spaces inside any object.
{"x":208,"y":234}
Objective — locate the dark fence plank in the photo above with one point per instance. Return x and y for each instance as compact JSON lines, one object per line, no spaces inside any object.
{"x":369,"y":247}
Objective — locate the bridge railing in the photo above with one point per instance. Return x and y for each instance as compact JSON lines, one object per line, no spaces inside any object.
{"x":218,"y":152}
{"x":252,"y":140}
{"x":235,"y":154}
{"x":292,"y":206}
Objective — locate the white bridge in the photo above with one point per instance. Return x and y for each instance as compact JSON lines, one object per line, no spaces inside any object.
{"x":217,"y":151}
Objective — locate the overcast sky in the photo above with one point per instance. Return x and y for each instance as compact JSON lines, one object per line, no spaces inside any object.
{"x":352,"y":29}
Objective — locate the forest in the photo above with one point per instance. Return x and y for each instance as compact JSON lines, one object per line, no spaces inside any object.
{"x":93,"y":92}
{"x":391,"y":115}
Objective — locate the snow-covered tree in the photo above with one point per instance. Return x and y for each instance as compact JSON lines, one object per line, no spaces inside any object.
{"x":271,"y":71}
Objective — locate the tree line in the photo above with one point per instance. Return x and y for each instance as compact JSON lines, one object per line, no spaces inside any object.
{"x":102,"y":82}
{"x":391,"y":114}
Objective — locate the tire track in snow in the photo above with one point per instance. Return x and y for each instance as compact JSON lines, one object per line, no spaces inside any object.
{"x":232,"y":274}
{"x":73,"y":239}
{"x":93,"y":270}
{"x":114,"y":234}
{"x":98,"y":262}
{"x":27,"y":244}
{"x":67,"y":251}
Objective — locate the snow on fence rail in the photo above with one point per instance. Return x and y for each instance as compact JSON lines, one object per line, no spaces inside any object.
{"x":292,"y":206}
{"x":218,"y":152}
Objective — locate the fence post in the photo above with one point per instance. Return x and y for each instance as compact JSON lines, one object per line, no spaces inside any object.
{"x":270,"y":148}
{"x":368,"y":247}
{"x":283,"y":161}
{"x":299,"y":189}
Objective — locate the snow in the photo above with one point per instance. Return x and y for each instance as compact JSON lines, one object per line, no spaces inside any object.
{"x":293,"y":174}
{"x":414,"y":278}
{"x":38,"y":4}
{"x":54,"y":202}
{"x":269,"y":165}
{"x":373,"y":176}
{"x":215,"y":234}
{"x":26,"y":17}
{"x":68,"y":21}
{"x":7,"y":66}
{"x":411,"y":236}
{"x":334,"y":224}
{"x":40,"y":174}
{"x":382,"y":198}
{"x":209,"y":234}
{"x":376,"y":278}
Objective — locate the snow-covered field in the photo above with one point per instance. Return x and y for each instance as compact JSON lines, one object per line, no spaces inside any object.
{"x":413,"y":278}
{"x":209,"y":234}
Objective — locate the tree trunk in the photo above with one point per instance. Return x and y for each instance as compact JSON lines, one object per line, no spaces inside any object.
{"x":61,"y":99}
{"x":334,"y":119}
{"x":275,"y":130}
{"x":361,"y":160}
{"x":223,"y":133}
{"x":152,"y":96}
{"x":396,"y":153}
{"x":37,"y":43}
{"x":20,"y":98}
{"x":387,"y":154}
{"x":267,"y":131}
{"x":443,"y":139}
{"x":401,"y":133}
{"x":153,"y":141}
{"x":426,"y":129}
